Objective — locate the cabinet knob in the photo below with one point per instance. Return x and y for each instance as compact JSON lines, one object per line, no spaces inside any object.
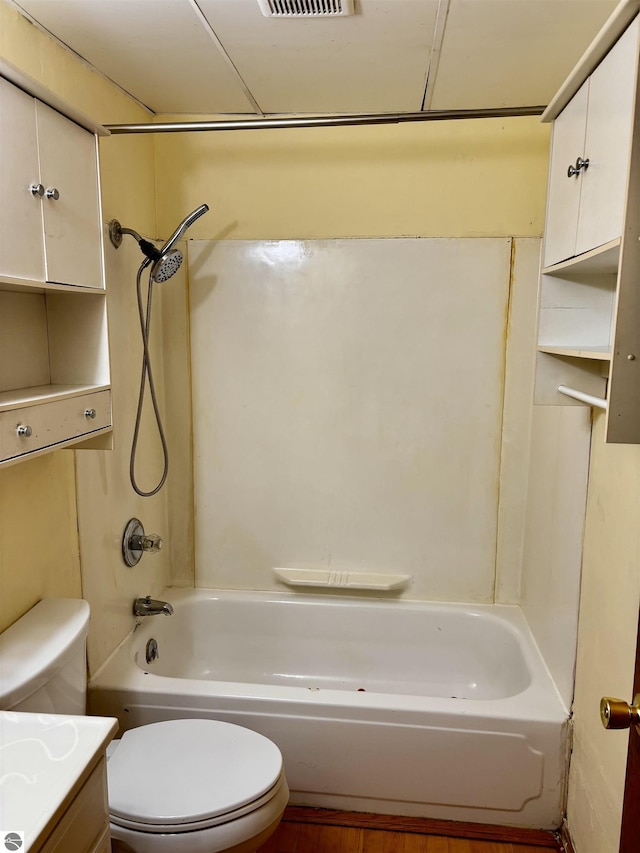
{"x":24,"y":431}
{"x":52,"y":193}
{"x":575,"y":170}
{"x":89,"y":413}
{"x":37,"y":189}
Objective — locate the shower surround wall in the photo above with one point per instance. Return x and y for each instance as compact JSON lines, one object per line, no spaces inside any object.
{"x":348,"y":410}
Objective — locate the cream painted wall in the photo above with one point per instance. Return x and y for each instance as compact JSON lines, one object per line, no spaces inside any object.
{"x":38,"y":520}
{"x":38,"y":536}
{"x":481,"y":178}
{"x":610,"y":597}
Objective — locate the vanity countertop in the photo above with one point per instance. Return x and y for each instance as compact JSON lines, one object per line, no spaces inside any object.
{"x":44,"y":761}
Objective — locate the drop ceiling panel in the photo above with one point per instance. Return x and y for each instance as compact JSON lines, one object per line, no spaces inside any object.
{"x":375,"y":61}
{"x":494,"y":53}
{"x":499,"y":53}
{"x":160,"y":52}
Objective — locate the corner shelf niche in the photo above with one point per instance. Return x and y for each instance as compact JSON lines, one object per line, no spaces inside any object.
{"x":576,"y":324}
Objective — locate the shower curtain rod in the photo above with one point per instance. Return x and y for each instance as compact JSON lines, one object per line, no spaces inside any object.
{"x":344,"y":120}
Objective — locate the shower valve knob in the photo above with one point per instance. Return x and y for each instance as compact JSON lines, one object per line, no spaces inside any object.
{"x":52,"y":193}
{"x":136,"y":542}
{"x":151,"y":543}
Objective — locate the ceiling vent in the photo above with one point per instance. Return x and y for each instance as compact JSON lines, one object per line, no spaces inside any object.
{"x":306,"y":8}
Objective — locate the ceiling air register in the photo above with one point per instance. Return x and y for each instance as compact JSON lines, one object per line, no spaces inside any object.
{"x":306,"y":8}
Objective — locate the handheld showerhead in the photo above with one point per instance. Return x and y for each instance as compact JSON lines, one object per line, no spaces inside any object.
{"x":169,"y":259}
{"x":166,"y":261}
{"x":187,"y":222}
{"x":166,"y":265}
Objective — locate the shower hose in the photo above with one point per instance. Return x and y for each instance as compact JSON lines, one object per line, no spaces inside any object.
{"x":145,"y":326}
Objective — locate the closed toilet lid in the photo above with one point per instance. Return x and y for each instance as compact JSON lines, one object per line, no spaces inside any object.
{"x":187,"y":771}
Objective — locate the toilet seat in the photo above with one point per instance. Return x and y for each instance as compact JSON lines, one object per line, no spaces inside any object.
{"x":185,"y":775}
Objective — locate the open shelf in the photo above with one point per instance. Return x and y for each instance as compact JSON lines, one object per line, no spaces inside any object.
{"x":12,"y":284}
{"x":603,"y":260}
{"x":596,"y":353}
{"x":40,"y":394}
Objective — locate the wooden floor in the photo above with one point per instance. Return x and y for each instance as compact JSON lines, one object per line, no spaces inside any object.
{"x":308,"y":830}
{"x":309,"y":838}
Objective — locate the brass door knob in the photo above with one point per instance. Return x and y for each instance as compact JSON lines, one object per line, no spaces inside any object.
{"x":618,"y":714}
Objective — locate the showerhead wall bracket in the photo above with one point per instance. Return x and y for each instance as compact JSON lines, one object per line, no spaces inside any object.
{"x":166,"y":260}
{"x":115,"y":235}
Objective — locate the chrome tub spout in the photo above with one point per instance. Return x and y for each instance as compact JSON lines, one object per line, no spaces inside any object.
{"x":151,"y":607}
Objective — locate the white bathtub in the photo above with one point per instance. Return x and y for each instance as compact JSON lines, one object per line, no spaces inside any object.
{"x":443,"y":711}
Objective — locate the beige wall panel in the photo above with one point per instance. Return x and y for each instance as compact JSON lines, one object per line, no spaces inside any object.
{"x":178,"y":422}
{"x":347,"y":409}
{"x":609,"y":602}
{"x":556,"y":498}
{"x":516,"y":419}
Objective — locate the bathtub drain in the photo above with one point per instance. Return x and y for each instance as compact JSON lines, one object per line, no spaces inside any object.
{"x":152,"y":651}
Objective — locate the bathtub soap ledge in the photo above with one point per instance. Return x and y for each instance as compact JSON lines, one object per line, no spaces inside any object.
{"x":344,"y":580}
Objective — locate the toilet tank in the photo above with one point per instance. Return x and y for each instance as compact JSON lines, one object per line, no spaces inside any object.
{"x":43,"y":659}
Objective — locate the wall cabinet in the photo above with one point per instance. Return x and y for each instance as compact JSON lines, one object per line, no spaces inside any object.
{"x":54,"y":361}
{"x":586,"y":202}
{"x":589,"y":302}
{"x":50,"y":229}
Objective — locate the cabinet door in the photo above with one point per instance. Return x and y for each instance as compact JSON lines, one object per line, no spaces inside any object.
{"x":563,"y":200}
{"x":21,"y":253}
{"x":72,"y":230}
{"x":608,"y":144}
{"x":83,"y":825}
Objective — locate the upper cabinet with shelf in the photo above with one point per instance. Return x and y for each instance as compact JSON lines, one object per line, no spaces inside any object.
{"x":589,"y":300}
{"x":54,"y":359}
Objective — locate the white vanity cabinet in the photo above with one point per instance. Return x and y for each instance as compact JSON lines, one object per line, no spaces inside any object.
{"x":589,"y":296}
{"x":84,"y":826}
{"x":54,"y":790}
{"x":54,"y":359}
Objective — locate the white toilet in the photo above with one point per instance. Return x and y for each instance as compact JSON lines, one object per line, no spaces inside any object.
{"x":183,"y":786}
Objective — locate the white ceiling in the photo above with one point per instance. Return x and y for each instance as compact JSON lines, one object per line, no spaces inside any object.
{"x":224,"y":56}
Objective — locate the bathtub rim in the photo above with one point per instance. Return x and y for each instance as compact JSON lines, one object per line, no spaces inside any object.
{"x":540,"y":701}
